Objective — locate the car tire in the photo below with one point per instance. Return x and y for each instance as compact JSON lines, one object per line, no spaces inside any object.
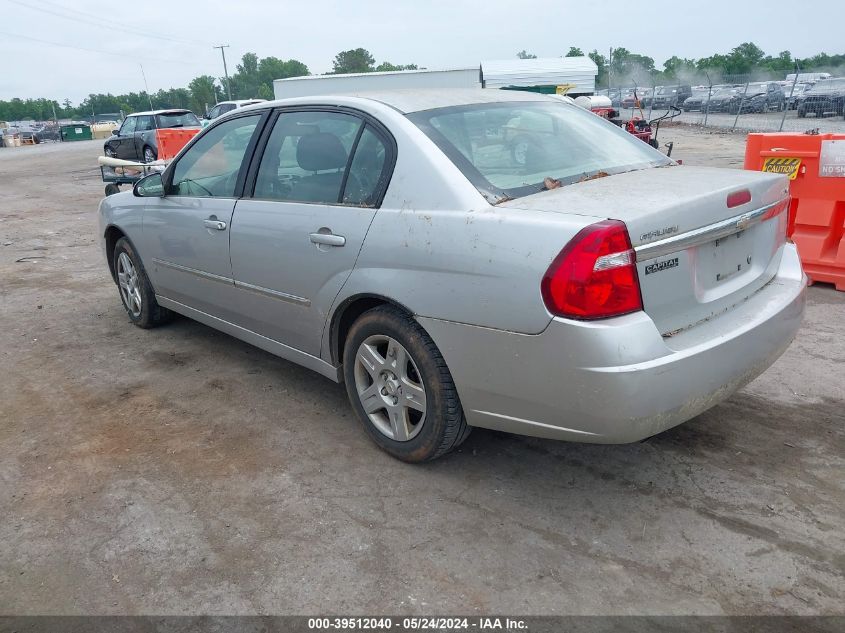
{"x":134,"y":288}
{"x":110,"y":152}
{"x":149,"y":154}
{"x":388,"y":360}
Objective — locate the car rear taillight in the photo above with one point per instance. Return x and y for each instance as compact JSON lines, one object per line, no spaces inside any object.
{"x":595,"y":275}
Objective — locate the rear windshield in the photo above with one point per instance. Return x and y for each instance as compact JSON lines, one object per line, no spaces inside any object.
{"x":178,"y":119}
{"x":509,"y":150}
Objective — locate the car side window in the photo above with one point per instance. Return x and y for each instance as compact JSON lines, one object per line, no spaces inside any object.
{"x":366,"y":171}
{"x":307,"y":156}
{"x":210,"y":167}
{"x":214,"y":112}
{"x":145,"y":123}
{"x":128,"y":126}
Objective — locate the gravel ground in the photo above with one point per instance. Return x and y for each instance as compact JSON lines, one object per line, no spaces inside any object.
{"x":180,"y":471}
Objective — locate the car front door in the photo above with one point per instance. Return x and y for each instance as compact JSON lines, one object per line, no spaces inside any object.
{"x":295,"y":240}
{"x":186,"y":232}
{"x":123,"y":144}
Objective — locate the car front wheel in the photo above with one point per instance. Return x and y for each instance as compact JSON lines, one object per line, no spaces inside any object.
{"x":400,"y":387}
{"x":136,"y":293}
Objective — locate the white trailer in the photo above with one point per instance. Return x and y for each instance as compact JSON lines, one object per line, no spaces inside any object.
{"x":579,"y":73}
{"x":366,"y":82}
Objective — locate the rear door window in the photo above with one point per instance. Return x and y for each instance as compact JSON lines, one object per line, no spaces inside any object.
{"x":368,"y":170}
{"x":145,"y":123}
{"x":307,"y":157}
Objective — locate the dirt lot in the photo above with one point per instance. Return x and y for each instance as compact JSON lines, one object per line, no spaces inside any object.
{"x":181,"y":471}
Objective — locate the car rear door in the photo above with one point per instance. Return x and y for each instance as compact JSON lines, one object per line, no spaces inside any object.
{"x":144,"y":133}
{"x":295,"y":240}
{"x":186,"y":232}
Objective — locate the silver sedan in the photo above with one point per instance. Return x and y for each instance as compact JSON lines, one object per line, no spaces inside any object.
{"x":468,"y":258}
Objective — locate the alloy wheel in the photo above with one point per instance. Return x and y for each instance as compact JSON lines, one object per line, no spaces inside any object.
{"x":390,"y":388}
{"x":127,"y":279}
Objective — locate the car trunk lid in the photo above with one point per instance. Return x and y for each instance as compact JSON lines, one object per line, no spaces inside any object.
{"x":696,"y":255}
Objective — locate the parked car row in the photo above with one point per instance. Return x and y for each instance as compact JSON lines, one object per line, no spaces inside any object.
{"x":822,"y":97}
{"x":36,"y":131}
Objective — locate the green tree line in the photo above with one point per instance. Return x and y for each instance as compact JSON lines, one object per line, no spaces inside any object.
{"x":253,"y":77}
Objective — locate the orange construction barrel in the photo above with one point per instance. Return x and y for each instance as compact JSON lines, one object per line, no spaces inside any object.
{"x":815,"y":164}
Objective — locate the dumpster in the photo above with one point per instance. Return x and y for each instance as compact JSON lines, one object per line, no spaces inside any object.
{"x":76,"y":132}
{"x":815,"y":166}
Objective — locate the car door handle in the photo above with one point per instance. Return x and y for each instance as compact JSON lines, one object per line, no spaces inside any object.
{"x":214,"y":224}
{"x":329,"y":239}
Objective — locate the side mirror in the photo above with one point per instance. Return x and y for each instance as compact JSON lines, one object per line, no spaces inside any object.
{"x":115,"y":131}
{"x":151,"y":186}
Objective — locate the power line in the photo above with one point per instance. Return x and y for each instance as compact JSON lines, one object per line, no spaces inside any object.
{"x":95,"y":21}
{"x":111,"y":54}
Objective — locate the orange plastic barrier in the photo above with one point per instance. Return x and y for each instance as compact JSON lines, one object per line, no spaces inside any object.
{"x":815,"y":164}
{"x":171,"y":140}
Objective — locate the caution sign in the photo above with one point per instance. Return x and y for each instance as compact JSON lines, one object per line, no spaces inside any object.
{"x":832,"y":159}
{"x":787,"y":166}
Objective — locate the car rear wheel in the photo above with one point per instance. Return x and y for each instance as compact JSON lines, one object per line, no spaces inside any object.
{"x":401,"y":388}
{"x":149,"y":155}
{"x":136,"y":293}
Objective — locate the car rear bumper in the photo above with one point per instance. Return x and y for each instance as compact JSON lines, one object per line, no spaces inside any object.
{"x":618,"y":380}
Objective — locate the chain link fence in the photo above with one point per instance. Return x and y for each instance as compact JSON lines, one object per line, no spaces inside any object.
{"x":800,"y":103}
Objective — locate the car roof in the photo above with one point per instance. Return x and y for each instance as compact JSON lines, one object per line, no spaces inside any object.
{"x":168,"y":111}
{"x":407,"y":101}
{"x":240,"y":101}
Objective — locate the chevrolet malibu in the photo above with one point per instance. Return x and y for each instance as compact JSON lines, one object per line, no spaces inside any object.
{"x":584,"y":288}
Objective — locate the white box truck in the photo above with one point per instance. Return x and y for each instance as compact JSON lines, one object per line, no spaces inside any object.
{"x":367,"y":82}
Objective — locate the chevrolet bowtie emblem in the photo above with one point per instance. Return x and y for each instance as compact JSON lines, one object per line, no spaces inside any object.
{"x":743,"y":222}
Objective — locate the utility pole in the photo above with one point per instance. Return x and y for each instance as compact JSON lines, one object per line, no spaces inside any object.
{"x":225,"y":70}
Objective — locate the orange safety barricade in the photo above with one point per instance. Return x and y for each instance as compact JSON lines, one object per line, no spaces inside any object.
{"x":815,"y":164}
{"x":172,"y":140}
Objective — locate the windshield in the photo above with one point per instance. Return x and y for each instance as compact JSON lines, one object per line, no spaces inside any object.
{"x":178,"y":119}
{"x":509,"y":150}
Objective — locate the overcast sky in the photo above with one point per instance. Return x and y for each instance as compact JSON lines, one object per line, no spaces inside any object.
{"x":431,"y":33}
